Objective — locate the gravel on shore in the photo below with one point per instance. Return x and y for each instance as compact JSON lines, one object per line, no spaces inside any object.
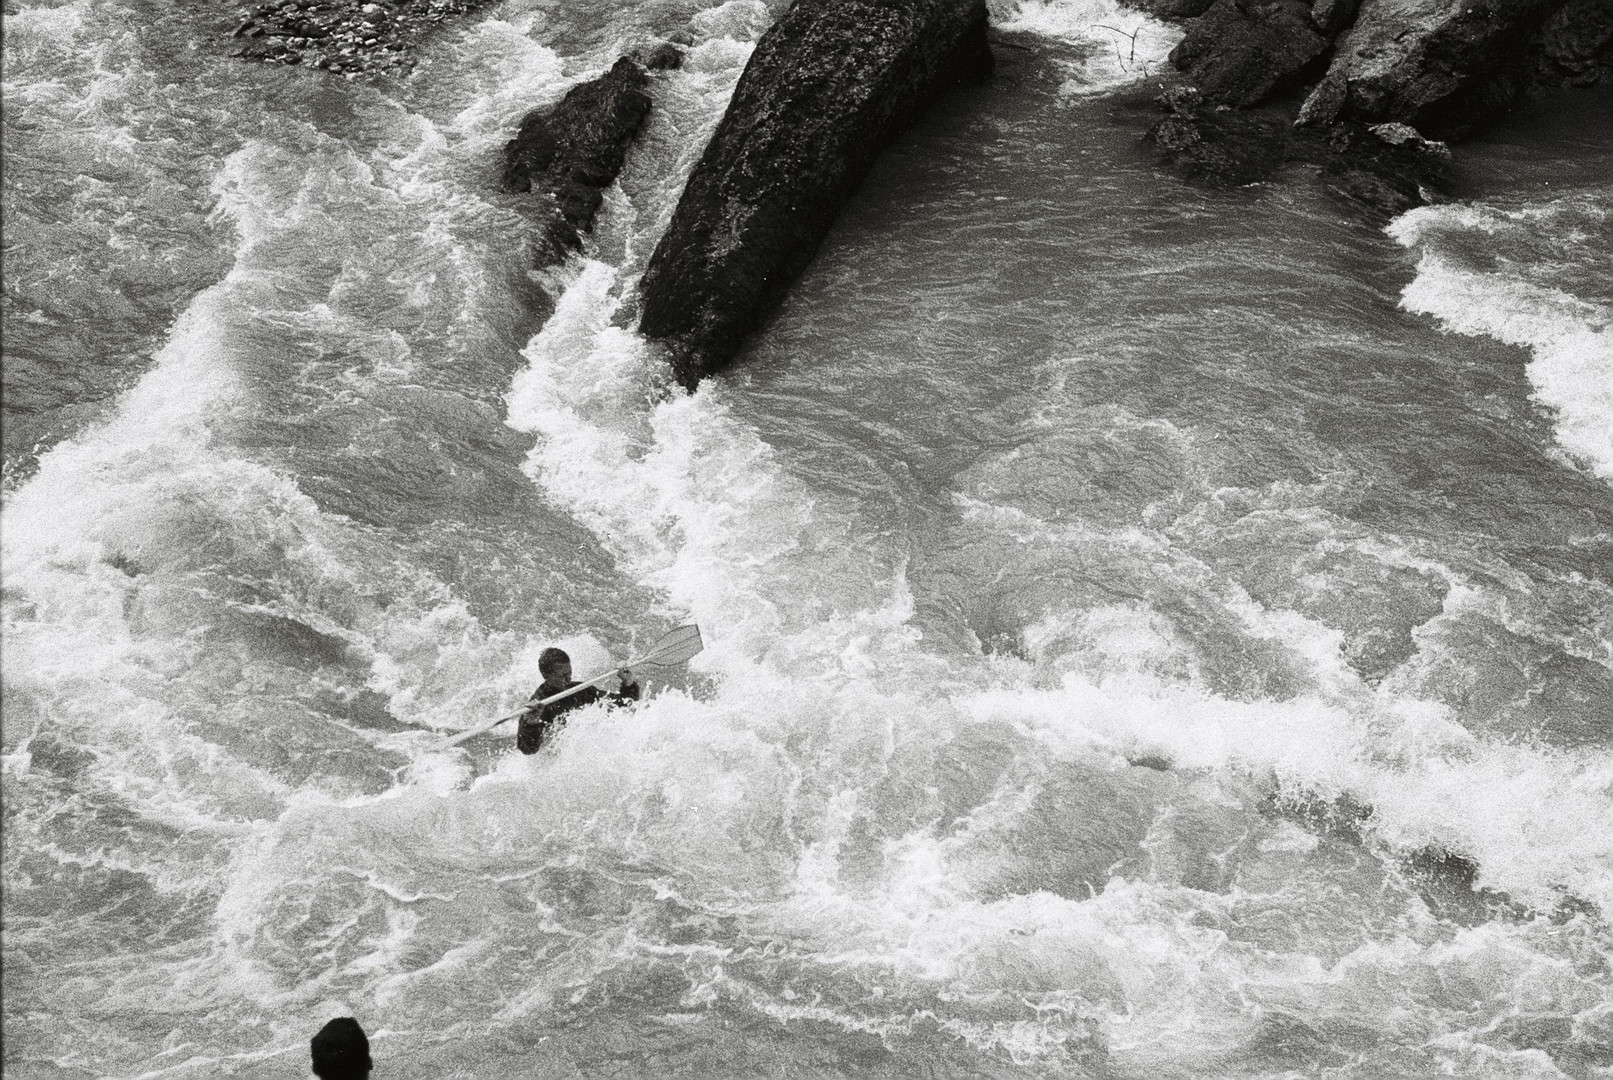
{"x":347,"y":37}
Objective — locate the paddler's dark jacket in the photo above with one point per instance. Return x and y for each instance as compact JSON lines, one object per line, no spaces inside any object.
{"x":537,"y":726}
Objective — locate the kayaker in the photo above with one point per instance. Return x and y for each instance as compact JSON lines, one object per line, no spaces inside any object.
{"x":537,"y":724}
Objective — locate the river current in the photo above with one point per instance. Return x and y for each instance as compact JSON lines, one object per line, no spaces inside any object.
{"x":1149,"y":632}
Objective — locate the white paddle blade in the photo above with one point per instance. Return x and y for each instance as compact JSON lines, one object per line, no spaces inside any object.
{"x":677,"y":647}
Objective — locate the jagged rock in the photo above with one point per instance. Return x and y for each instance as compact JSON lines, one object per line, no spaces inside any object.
{"x":825,"y":90}
{"x":1382,"y":171}
{"x":1576,"y":43}
{"x":1439,"y":65}
{"x":667,"y":56}
{"x":1387,"y":168}
{"x":574,"y":149}
{"x":1331,"y":16}
{"x":1241,"y":52}
{"x":1404,"y":135}
{"x":1217,"y":146}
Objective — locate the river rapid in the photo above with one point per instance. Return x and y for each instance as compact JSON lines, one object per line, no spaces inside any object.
{"x":1149,"y":632}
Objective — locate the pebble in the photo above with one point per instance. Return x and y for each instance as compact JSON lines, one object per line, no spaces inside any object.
{"x":344,"y":37}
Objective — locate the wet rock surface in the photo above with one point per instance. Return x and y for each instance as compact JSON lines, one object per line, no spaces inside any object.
{"x":572,"y":151}
{"x":1369,"y":84}
{"x":1576,"y":45}
{"x":1242,"y":52}
{"x":825,"y":91}
{"x":1382,"y":169}
{"x":1440,"y":65}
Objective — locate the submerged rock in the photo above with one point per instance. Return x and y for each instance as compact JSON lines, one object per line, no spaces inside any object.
{"x":573,"y":150}
{"x":825,"y":91}
{"x":1218,"y":146}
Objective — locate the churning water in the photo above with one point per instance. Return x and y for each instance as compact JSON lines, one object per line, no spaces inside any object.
{"x":1149,"y":632}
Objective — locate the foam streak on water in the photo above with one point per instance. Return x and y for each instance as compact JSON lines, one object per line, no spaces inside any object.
{"x":1572,"y":346}
{"x":1135,"y":646}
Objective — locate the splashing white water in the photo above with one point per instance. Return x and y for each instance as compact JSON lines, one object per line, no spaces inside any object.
{"x":1571,"y":339}
{"x":1111,"y":45}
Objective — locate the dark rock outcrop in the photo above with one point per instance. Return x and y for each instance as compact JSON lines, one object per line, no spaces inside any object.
{"x":1439,"y":65}
{"x":827,"y":88}
{"x":1385,"y":168}
{"x":1332,"y":16}
{"x":1218,"y":146}
{"x":1389,"y":168}
{"x":1242,"y":52}
{"x":1175,"y":9}
{"x":573,"y":150}
{"x":1576,"y":44}
{"x":1364,"y":81}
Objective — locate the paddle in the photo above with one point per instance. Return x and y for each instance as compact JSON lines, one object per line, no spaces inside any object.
{"x":675,"y":647}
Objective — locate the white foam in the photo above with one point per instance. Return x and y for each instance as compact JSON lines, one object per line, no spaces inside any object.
{"x":1571,"y":340}
{"x":1115,"y":44}
{"x":515,"y":73}
{"x":138,"y":534}
{"x":696,"y":505}
{"x":687,"y":497}
{"x":735,"y":20}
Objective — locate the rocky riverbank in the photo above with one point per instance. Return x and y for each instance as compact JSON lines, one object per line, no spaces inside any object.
{"x":1363,"y":94}
{"x":1367,"y":91}
{"x":340,"y":35}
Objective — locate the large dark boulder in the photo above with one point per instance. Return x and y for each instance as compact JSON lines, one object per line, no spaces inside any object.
{"x":1379,"y":79}
{"x":1242,"y":52}
{"x":826,"y":90}
{"x":1440,"y":65}
{"x":572,"y":151}
{"x":1576,"y":43}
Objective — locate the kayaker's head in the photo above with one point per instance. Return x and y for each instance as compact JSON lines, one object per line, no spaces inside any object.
{"x":555,"y":667}
{"x":341,"y":1051}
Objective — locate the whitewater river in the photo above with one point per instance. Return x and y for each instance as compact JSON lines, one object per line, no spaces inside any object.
{"x":1149,"y":632}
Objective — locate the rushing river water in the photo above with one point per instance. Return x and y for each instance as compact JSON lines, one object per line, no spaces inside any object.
{"x":1150,"y":632}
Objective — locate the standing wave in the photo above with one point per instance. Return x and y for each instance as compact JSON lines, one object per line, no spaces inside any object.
{"x":1512,"y":274}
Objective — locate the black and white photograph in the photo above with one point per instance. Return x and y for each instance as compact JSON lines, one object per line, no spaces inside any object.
{"x":806,"y":539}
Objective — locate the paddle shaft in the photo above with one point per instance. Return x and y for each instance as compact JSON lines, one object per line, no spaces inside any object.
{"x":568,"y":691}
{"x":528,"y":707}
{"x":674,"y":647}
